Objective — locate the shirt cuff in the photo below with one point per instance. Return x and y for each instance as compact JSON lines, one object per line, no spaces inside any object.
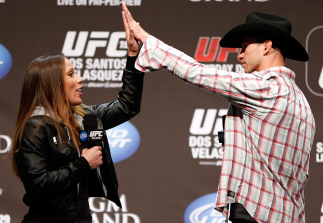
{"x":130,"y":66}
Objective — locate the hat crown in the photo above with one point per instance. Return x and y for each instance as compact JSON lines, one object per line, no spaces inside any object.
{"x":270,"y":19}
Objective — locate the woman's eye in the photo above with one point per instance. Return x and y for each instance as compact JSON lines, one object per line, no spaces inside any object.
{"x":70,"y":74}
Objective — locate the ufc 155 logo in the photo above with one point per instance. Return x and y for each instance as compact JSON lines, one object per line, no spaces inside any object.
{"x":98,"y":57}
{"x":86,"y":43}
{"x":203,"y":141}
{"x":314,"y":67}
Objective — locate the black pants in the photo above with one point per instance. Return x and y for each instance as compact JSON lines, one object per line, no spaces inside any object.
{"x":238,"y":214}
{"x":241,"y":221}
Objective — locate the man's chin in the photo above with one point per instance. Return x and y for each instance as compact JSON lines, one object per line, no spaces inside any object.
{"x":248,"y":71}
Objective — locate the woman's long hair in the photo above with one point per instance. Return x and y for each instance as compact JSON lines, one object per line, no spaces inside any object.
{"x":44,"y":86}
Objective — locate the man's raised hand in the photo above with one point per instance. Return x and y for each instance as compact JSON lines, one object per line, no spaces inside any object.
{"x":132,"y":26}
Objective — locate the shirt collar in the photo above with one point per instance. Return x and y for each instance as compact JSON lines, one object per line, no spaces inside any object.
{"x":284,"y":71}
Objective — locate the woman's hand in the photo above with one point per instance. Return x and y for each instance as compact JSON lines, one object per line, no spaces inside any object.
{"x":133,"y":30}
{"x":133,"y":45}
{"x":93,"y":156}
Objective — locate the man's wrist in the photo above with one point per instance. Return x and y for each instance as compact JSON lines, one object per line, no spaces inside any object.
{"x":144,"y":37}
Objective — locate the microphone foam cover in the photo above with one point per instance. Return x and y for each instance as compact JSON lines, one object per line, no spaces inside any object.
{"x":90,"y":121}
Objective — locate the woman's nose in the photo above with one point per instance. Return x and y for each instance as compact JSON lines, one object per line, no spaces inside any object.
{"x":79,"y":79}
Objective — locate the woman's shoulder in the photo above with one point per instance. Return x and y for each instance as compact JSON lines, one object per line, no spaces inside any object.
{"x":39,"y":125}
{"x":36,"y":132}
{"x":37,"y":120}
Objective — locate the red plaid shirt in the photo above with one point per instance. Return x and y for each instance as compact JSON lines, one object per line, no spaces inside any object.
{"x":269,"y":132}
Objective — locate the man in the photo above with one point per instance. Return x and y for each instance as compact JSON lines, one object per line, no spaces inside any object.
{"x":269,"y":127}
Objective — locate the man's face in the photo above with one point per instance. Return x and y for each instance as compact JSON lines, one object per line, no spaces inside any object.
{"x":250,"y":54}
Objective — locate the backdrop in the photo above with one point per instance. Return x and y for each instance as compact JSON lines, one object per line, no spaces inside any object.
{"x":168,"y":159}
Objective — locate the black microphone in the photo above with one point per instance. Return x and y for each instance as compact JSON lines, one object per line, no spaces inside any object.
{"x":221,"y":133}
{"x":91,"y":133}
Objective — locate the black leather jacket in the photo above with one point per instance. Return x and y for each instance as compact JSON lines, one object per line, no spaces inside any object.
{"x":51,"y":170}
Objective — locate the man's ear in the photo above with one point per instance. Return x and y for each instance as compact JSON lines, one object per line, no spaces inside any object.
{"x":267,"y":46}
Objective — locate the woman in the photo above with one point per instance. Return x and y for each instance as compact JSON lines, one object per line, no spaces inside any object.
{"x":57,"y":171}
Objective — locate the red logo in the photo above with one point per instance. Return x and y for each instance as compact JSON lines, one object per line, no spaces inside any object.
{"x":207,"y":51}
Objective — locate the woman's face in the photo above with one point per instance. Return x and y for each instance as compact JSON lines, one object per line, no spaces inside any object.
{"x":73,"y":85}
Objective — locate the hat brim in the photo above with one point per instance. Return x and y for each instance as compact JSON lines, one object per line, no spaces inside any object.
{"x":292,"y":49}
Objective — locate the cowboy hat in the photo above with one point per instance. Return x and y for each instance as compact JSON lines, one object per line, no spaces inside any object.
{"x":269,"y":26}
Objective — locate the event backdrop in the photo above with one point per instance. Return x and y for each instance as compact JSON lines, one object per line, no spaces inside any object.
{"x":168,"y":159}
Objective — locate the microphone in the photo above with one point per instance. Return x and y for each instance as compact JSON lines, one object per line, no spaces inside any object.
{"x":94,"y":137}
{"x":91,"y":133}
{"x":221,"y":133}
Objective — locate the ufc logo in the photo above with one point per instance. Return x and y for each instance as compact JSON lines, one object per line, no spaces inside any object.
{"x":96,"y":134}
{"x":200,"y":127}
{"x":207,"y":50}
{"x":115,"y":47}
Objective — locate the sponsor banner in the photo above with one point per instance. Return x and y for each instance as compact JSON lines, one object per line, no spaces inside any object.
{"x":5,"y":61}
{"x":97,"y":2}
{"x":202,"y":210}
{"x":124,"y":140}
{"x":208,"y":51}
{"x":204,"y":141}
{"x":314,"y":68}
{"x":5,"y":142}
{"x":83,"y":50}
{"x":104,"y":211}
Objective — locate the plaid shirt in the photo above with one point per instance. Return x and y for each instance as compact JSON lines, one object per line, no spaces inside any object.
{"x":269,"y":132}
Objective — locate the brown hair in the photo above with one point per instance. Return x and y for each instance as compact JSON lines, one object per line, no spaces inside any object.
{"x":44,"y":86}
